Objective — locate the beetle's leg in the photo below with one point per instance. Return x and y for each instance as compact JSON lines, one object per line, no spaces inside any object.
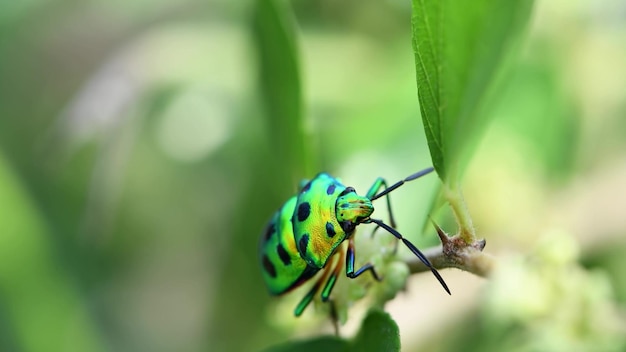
{"x":334,"y":317}
{"x":330,"y":283}
{"x":328,"y":288}
{"x":373,"y":194}
{"x":413,"y":249}
{"x":350,"y":264}
{"x":309,"y":296}
{"x":374,"y":231}
{"x":380,"y":182}
{"x":401,"y":182}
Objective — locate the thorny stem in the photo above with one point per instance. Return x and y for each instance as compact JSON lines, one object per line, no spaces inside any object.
{"x":456,"y":252}
{"x":473,"y":261}
{"x":459,"y":209}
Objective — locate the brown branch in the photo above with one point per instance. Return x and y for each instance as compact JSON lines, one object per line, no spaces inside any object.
{"x":455,"y":252}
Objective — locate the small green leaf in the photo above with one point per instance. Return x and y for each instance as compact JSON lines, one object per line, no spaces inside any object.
{"x":378,"y":333}
{"x":459,"y":49}
{"x":324,"y":343}
{"x":280,"y":85}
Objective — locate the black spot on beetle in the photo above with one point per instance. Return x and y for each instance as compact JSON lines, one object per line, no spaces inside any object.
{"x":346,"y":191}
{"x":269,"y":232}
{"x":304,"y":210}
{"x":268,"y":266}
{"x":306,"y":187}
{"x":282,"y":253}
{"x":331,"y":189}
{"x":345,"y":205}
{"x":304,"y":242}
{"x":330,"y":230}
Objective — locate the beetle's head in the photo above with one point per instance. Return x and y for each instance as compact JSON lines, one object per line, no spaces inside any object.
{"x":352,"y":209}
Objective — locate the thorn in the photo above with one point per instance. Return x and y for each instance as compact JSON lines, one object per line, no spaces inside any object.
{"x":480,"y":244}
{"x":443,"y":237}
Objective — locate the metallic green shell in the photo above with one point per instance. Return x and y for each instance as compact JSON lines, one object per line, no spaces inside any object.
{"x":316,"y":229}
{"x":282,"y":266}
{"x":305,"y":232}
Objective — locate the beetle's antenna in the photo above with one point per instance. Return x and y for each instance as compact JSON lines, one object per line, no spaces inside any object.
{"x":401,"y":182}
{"x":413,"y":249}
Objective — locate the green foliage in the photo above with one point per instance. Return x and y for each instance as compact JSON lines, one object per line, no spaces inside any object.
{"x":280,"y":82}
{"x":543,"y":300}
{"x":459,"y":48}
{"x":36,"y":293}
{"x":534,"y":108}
{"x":140,"y":161}
{"x":378,"y":333}
{"x":324,"y":343}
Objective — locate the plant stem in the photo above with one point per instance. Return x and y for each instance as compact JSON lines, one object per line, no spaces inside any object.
{"x":456,"y":252}
{"x":469,"y":259}
{"x":464,"y":220}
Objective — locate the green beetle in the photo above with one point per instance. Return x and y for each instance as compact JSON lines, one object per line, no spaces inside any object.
{"x":303,"y":236}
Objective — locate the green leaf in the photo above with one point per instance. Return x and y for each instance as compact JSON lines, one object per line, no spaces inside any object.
{"x":378,"y":333}
{"x":279,"y":79}
{"x":324,"y":343}
{"x":459,"y":49}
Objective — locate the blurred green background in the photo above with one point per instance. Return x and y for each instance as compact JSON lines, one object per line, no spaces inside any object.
{"x":138,"y":168}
